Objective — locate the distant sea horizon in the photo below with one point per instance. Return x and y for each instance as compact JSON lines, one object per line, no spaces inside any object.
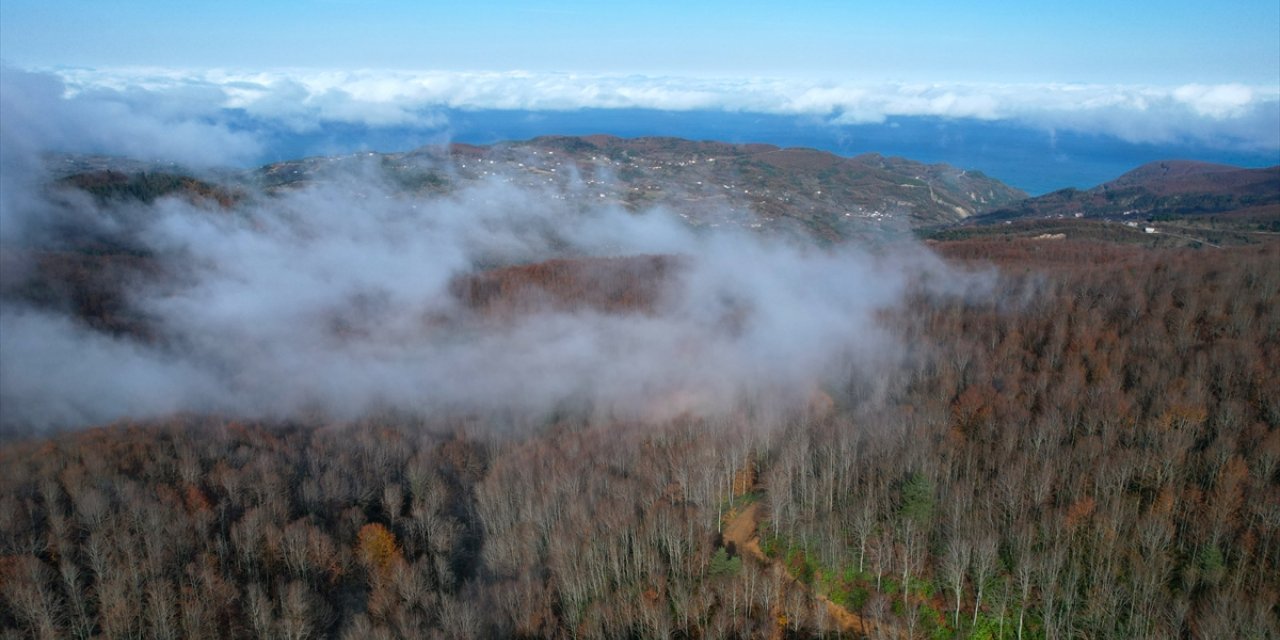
{"x":1032,"y":159}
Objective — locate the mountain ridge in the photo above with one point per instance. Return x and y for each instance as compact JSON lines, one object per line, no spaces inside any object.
{"x":757,"y":186}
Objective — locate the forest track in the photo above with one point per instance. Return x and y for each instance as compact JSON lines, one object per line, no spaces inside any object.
{"x":742,"y":530}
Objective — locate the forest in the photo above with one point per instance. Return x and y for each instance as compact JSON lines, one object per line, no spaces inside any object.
{"x":1093,"y":453}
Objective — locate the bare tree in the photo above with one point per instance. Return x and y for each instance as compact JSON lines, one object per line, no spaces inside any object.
{"x":955,"y":566}
{"x":984,"y":565}
{"x":32,"y":597}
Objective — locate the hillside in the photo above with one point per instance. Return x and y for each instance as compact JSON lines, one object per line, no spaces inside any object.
{"x":759,"y":187}
{"x":625,"y":284}
{"x":711,"y":184}
{"x":1161,"y":190}
{"x":1180,"y":177}
{"x":146,"y":186}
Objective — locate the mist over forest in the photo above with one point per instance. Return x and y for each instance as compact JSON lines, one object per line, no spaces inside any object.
{"x":336,"y":298}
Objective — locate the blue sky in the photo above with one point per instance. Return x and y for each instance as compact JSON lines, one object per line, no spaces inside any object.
{"x":1172,"y":42}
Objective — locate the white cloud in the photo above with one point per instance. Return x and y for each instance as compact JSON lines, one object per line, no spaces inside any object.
{"x":1225,"y":116}
{"x":39,"y":111}
{"x":1216,"y":101}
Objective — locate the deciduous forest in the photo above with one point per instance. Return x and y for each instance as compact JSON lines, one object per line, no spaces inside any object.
{"x":1093,"y":453}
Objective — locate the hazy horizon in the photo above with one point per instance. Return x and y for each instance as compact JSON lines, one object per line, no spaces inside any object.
{"x":1038,"y":138}
{"x":1045,"y":97}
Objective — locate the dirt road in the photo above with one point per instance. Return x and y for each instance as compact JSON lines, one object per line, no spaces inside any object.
{"x":741,"y":530}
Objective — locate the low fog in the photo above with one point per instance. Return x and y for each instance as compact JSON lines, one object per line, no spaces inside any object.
{"x":334,"y":300}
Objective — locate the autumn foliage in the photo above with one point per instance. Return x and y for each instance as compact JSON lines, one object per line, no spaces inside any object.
{"x":624,"y":284}
{"x":376,"y":548}
{"x":1094,"y":452}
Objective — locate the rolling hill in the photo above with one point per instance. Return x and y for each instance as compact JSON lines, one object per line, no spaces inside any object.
{"x":1160,"y":190}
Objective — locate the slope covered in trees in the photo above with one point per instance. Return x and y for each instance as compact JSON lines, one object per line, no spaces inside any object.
{"x":1095,"y":452}
{"x":1163,"y":190}
{"x":626,"y":284}
{"x":1098,"y":461}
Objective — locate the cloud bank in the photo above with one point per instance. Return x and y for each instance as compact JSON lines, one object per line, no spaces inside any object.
{"x":1230,"y":115}
{"x":181,"y":123}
